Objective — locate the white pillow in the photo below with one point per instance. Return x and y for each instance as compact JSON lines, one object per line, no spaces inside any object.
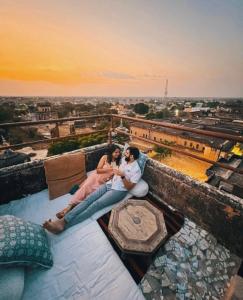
{"x":140,"y":190}
{"x":11,"y":283}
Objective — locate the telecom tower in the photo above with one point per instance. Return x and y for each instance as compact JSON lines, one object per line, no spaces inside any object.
{"x":166,"y":89}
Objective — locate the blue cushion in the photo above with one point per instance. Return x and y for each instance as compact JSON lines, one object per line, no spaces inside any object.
{"x":23,"y":243}
{"x":11,"y":283}
{"x":141,"y":160}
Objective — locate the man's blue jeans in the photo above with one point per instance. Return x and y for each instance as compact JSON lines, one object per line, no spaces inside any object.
{"x":99,"y":199}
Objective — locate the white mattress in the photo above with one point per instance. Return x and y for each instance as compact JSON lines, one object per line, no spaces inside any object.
{"x":85,"y":264}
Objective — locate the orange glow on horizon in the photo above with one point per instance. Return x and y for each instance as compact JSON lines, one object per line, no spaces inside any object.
{"x":76,"y":47}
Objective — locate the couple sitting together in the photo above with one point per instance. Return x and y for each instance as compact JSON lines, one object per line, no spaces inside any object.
{"x":114,"y":177}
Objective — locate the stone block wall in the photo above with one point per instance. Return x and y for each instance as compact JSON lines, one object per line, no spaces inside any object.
{"x":29,"y":178}
{"x":217,"y":212}
{"x":20,"y":180}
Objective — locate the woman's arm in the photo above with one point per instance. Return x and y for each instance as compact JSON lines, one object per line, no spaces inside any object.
{"x":101,"y":164}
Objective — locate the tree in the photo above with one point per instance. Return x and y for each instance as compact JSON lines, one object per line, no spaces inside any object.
{"x":63,"y":146}
{"x":114,"y":111}
{"x":32,"y":133}
{"x":162,"y":114}
{"x":121,"y":139}
{"x":131,"y":114}
{"x":193,"y":104}
{"x":6,"y":113}
{"x":213,"y":104}
{"x":103,"y":125}
{"x":141,"y":108}
{"x":65,"y":109}
{"x":162,"y":152}
{"x":15,"y":140}
{"x":74,"y":144}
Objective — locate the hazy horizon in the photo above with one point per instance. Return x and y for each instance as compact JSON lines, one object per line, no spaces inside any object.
{"x":121,"y":48}
{"x":162,"y":97}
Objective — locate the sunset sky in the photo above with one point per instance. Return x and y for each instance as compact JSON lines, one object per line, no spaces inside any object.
{"x":121,"y":47}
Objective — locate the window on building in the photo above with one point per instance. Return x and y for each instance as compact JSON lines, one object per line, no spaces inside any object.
{"x":155,"y":138}
{"x":203,"y":148}
{"x":191,"y":145}
{"x":197,"y":146}
{"x":185,"y":143}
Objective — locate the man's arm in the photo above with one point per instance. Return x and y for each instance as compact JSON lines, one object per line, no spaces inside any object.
{"x":134,"y":179}
{"x":128,"y":184}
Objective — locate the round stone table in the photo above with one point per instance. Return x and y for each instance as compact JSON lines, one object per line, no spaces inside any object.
{"x":137,"y":227}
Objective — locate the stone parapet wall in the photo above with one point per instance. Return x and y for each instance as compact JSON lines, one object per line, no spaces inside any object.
{"x":20,"y":180}
{"x":217,"y":212}
{"x":29,"y":178}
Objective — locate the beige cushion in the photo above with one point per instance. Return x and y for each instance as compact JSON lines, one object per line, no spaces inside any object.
{"x":63,"y":172}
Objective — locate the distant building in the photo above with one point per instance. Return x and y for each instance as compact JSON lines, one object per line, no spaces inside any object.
{"x":159,"y":107}
{"x":80,"y":124}
{"x":87,"y":124}
{"x":208,"y":147}
{"x":220,"y":125}
{"x":43,"y":107}
{"x":10,"y":158}
{"x":44,"y":112}
{"x":196,"y":109}
{"x":122,"y":127}
{"x":227,"y":180}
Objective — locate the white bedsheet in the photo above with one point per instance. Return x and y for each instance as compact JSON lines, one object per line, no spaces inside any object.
{"x":85,"y":264}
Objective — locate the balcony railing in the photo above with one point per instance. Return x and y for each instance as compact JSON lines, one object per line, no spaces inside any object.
{"x":57,"y":122}
{"x":111,"y":118}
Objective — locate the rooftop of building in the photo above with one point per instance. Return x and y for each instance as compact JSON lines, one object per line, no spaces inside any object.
{"x":227,"y":180}
{"x":197,"y":262}
{"x":206,"y":230}
{"x":9,"y":158}
{"x":213,"y":142}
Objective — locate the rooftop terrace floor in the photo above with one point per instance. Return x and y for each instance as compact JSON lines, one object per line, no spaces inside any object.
{"x":191,"y":256}
{"x":85,"y":264}
{"x":190,"y":265}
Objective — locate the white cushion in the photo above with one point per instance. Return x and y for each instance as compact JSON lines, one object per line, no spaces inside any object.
{"x":11,"y":283}
{"x":140,"y":190}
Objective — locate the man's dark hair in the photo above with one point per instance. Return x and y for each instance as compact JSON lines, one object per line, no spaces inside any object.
{"x":134,"y":151}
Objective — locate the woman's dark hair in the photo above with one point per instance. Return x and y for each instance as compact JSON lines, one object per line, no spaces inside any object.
{"x":134,"y":151}
{"x":112,"y":148}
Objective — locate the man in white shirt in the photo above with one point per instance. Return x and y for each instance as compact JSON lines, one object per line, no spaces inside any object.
{"x":125,"y":178}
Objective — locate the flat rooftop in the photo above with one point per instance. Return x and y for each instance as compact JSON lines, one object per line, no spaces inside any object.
{"x":203,"y":251}
{"x":217,"y":143}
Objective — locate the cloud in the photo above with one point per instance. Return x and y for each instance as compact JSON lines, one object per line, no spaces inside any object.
{"x":153,"y":76}
{"x":115,"y":75}
{"x":120,"y":75}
